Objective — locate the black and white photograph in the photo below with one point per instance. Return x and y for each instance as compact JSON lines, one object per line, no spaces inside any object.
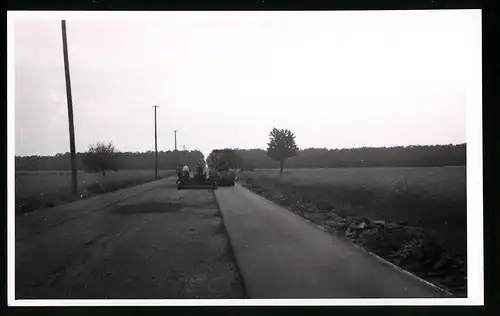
{"x":244,"y":157}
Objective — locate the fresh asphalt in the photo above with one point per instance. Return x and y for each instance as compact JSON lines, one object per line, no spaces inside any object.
{"x":280,"y":255}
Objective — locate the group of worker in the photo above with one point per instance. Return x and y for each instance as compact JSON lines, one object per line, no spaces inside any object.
{"x":185,"y":171}
{"x":182,"y":170}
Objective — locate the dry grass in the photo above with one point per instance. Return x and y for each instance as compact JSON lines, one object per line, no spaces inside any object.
{"x":38,"y":189}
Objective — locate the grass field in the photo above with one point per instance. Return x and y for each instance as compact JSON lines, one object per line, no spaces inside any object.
{"x":431,"y":198}
{"x":38,"y":189}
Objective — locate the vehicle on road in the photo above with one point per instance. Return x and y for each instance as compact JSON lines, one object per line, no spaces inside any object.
{"x":222,"y":166}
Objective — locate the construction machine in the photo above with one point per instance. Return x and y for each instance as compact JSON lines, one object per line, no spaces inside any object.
{"x":200,"y":179}
{"x":222,"y":166}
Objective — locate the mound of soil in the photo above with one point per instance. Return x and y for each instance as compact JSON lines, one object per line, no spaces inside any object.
{"x":408,"y":247}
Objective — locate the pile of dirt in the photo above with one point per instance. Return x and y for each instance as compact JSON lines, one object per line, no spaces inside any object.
{"x":408,"y":247}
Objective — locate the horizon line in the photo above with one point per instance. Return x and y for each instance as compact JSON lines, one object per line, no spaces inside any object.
{"x":300,"y":149}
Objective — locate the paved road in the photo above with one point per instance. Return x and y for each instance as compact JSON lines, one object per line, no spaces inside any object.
{"x":282,"y":256}
{"x":149,"y":241}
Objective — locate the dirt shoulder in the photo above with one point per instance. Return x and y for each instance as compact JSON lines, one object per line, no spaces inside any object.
{"x":162,"y":243}
{"x":408,"y":247}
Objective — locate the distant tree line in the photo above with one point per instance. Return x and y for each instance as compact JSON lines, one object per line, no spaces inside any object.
{"x":167,"y":160}
{"x":409,"y":156}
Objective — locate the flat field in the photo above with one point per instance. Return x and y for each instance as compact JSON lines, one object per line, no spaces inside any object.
{"x":39,"y":189}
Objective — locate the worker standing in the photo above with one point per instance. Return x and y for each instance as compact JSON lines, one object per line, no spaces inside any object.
{"x":207,"y":171}
{"x":185,"y":171}
{"x":179,"y":171}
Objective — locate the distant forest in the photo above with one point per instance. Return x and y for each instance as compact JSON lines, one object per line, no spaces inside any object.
{"x":124,"y":161}
{"x":409,"y":156}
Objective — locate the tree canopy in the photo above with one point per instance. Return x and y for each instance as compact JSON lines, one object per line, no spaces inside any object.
{"x":281,"y":146}
{"x":100,"y":157}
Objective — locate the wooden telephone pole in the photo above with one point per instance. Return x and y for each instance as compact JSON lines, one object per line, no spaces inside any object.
{"x":175,"y":137}
{"x":74,"y":180}
{"x":156,"y":146}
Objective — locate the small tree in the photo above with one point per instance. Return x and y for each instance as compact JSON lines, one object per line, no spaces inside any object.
{"x":101,"y":157}
{"x":281,"y":146}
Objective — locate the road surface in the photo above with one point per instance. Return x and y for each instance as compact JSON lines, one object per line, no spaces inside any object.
{"x":280,"y":255}
{"x":149,"y":241}
{"x":153,"y":241}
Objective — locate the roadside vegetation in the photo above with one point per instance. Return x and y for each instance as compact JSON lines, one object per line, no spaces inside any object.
{"x":42,"y":189}
{"x":101,"y":157}
{"x":45,"y":181}
{"x":167,"y":160}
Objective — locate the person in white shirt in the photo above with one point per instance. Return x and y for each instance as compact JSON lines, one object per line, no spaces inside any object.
{"x":207,"y":171}
{"x":185,"y":171}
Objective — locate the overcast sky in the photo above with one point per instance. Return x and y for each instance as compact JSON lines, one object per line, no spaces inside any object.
{"x":225,"y":79}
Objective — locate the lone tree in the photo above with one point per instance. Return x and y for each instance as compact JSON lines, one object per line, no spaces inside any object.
{"x":100,"y":157}
{"x":281,"y":146}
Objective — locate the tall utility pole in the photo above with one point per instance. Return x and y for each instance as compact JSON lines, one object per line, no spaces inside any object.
{"x":156,"y":146}
{"x":74,"y":180}
{"x":175,"y":137}
{"x":176,"y":153}
{"x":184,"y":155}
